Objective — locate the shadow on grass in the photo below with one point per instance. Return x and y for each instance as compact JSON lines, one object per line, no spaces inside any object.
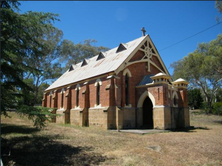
{"x":9,"y":129}
{"x":38,"y":150}
{"x":218,"y":121}
{"x":189,"y":129}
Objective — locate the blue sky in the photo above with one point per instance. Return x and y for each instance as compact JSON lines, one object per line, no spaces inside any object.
{"x":114,"y":22}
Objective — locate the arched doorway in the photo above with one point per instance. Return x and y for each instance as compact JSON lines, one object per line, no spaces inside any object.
{"x":147,"y":113}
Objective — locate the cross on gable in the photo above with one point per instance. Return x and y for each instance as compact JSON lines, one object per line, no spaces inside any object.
{"x":143,"y":31}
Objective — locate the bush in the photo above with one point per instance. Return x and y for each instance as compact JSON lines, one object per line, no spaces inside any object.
{"x":39,"y":115}
{"x":217,"y":108}
{"x":205,"y":108}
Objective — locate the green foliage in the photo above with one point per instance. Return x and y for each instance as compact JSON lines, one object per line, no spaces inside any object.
{"x":218,"y":5}
{"x":217,"y":108}
{"x":42,"y":88}
{"x":195,"y":99}
{"x":28,"y":44}
{"x":203,"y":69}
{"x":219,"y":95}
{"x":39,"y":115}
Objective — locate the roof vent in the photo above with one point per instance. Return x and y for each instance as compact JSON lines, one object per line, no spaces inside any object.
{"x":71,"y":68}
{"x":84,"y":63}
{"x":121,"y":47}
{"x":100,"y":56}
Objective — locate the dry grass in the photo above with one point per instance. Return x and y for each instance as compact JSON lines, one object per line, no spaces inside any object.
{"x":59,"y":145}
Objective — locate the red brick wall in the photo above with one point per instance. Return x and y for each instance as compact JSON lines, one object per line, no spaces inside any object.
{"x":82,"y":97}
{"x":138,"y":56}
{"x":104,"y":94}
{"x":138,"y":71}
{"x":48,"y":99}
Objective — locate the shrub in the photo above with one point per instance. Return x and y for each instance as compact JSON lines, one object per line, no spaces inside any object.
{"x":217,"y":108}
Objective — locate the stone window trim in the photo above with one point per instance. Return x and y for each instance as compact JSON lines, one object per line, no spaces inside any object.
{"x":175,"y":99}
{"x":128,"y":106}
{"x":62,"y":96}
{"x":77,"y":98}
{"x":54,"y":94}
{"x":127,"y":75}
{"x":127,"y":72}
{"x":98,"y":82}
{"x":77,"y":87}
{"x":98,"y":85}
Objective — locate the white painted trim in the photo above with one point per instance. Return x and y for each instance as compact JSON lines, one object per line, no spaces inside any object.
{"x":128,"y":106}
{"x":148,"y":39}
{"x":175,"y":95}
{"x":143,"y":97}
{"x":98,"y":81}
{"x":77,"y":107}
{"x":127,"y":71}
{"x":108,"y":77}
{"x":85,"y":83}
{"x":98,"y":106}
{"x":159,"y":106}
{"x":77,"y":87}
{"x":63,"y":90}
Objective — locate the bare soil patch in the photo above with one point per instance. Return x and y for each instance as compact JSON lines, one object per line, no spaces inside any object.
{"x":61,"y":145}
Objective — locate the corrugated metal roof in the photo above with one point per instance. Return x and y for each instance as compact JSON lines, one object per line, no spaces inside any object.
{"x":96,"y":67}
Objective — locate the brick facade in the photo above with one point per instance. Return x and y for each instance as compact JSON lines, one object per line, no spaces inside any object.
{"x":77,"y":104}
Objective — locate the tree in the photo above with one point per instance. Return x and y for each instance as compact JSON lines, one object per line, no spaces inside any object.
{"x":203,"y":69}
{"x":218,"y":5}
{"x":22,"y":40}
{"x":194,"y":98}
{"x":50,"y":39}
{"x":72,"y":54}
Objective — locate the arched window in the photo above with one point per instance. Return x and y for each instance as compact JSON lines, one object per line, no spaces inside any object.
{"x":126,"y":89}
{"x":98,"y":83}
{"x":175,"y":101}
{"x":50,"y":100}
{"x":62,"y":96}
{"x":77,"y":94}
{"x":98,"y":94}
{"x":77,"y":97}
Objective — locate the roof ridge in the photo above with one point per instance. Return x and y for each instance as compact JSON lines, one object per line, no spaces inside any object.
{"x":105,"y":53}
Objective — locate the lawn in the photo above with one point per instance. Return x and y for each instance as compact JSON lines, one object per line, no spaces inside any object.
{"x":66,"y":145}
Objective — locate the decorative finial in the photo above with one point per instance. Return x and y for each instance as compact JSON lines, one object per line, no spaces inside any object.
{"x":143,"y":31}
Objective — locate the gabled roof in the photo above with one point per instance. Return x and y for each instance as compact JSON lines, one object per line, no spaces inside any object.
{"x":98,"y":65}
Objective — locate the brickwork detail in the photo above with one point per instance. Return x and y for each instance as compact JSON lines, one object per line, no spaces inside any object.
{"x":77,"y":103}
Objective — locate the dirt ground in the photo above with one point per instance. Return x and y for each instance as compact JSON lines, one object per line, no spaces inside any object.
{"x":66,"y":145}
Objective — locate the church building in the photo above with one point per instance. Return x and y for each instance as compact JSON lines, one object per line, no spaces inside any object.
{"x":126,"y":87}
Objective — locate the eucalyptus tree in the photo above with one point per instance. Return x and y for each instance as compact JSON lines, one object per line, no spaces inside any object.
{"x":203,"y":69}
{"x":70,"y":53}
